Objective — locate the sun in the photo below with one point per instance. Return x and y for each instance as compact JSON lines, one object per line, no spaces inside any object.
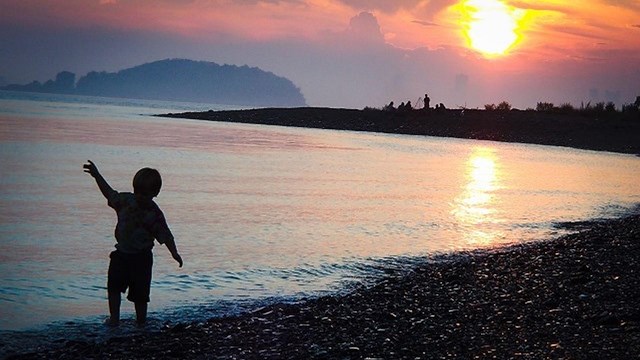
{"x":491,"y":26}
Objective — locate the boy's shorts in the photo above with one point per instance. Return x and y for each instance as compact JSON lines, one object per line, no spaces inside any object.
{"x":131,"y":271}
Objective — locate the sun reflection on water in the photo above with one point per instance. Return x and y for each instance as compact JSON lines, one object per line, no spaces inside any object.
{"x":475,"y":208}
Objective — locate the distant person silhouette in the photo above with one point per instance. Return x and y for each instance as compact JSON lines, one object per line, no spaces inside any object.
{"x":390,"y":107}
{"x":140,"y":221}
{"x":427,"y":100}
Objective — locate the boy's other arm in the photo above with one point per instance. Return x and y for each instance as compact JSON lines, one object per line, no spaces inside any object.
{"x":171,"y":245}
{"x":91,"y":169}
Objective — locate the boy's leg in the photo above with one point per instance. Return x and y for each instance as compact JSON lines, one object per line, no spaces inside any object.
{"x":116,"y":283}
{"x":141,"y":312}
{"x":114,"y":308}
{"x":140,"y":286}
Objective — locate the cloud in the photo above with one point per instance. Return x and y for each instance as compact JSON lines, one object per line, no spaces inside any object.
{"x":425,"y":8}
{"x":382,"y":5}
{"x":362,"y":32}
{"x":541,"y":6}
{"x":365,"y":27}
{"x":434,"y":7}
{"x":254,"y":2}
{"x":633,"y":5}
{"x":575,"y":31}
{"x":425,"y":23}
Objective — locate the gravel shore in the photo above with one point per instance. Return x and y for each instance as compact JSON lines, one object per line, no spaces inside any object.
{"x":575,"y":297}
{"x":613,"y":132}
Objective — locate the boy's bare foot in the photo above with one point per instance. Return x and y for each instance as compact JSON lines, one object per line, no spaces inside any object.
{"x":111,"y":323}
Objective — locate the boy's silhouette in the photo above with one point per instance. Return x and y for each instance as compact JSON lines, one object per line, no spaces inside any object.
{"x":140,"y":221}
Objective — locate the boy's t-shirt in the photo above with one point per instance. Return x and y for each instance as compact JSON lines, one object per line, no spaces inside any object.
{"x":138,"y":224}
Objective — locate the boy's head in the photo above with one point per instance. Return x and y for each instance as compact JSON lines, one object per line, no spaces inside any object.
{"x":147,"y":182}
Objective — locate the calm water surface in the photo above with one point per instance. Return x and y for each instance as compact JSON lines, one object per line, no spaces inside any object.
{"x":261,"y":211}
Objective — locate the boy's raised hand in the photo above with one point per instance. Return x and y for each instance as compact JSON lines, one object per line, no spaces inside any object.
{"x":91,"y":168}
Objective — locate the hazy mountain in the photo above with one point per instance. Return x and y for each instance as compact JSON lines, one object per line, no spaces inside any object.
{"x":179,"y":80}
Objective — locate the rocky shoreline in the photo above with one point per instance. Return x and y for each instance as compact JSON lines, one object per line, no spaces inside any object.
{"x":605,"y":132}
{"x":574,"y":297}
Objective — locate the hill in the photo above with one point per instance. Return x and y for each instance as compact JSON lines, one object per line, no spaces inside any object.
{"x":179,"y":80}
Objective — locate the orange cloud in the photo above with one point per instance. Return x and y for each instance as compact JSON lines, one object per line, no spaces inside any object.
{"x":551,"y":29}
{"x":305,"y":18}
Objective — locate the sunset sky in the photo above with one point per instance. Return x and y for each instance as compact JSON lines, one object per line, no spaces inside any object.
{"x":348,"y":53}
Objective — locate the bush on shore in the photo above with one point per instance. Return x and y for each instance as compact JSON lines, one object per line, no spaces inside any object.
{"x":599,"y":109}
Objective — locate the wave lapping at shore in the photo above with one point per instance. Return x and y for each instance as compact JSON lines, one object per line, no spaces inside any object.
{"x":575,"y":297}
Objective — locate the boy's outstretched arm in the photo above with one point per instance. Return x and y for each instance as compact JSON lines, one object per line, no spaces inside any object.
{"x":171,"y":245}
{"x":91,"y":169}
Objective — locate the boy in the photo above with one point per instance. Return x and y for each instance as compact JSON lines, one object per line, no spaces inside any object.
{"x":140,"y":221}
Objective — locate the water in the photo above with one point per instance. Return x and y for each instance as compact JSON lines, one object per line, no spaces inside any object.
{"x":261,"y":212}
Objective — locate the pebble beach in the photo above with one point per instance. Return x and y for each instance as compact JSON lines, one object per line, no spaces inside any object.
{"x":573,"y":297}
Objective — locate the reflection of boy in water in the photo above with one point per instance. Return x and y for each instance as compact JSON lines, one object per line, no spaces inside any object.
{"x":140,"y":221}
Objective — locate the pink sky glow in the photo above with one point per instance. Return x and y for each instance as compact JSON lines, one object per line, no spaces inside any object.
{"x":345,"y":52}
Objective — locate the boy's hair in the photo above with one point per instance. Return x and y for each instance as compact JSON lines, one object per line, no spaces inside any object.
{"x":147,"y":181}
